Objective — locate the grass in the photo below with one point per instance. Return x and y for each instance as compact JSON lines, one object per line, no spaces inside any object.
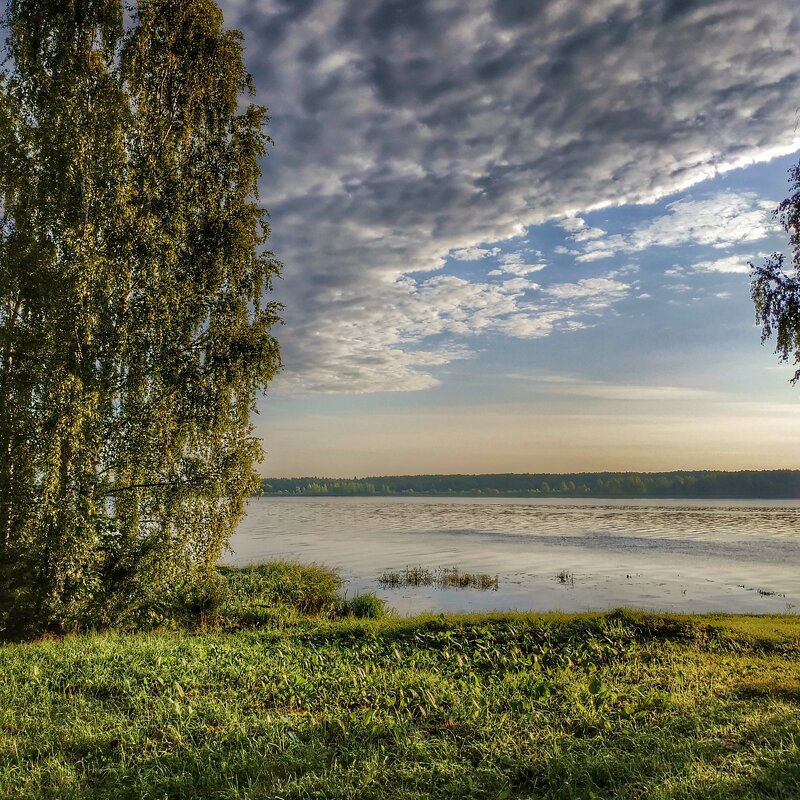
{"x":441,"y":578}
{"x":365,"y":606}
{"x":618,"y":705}
{"x":269,"y":593}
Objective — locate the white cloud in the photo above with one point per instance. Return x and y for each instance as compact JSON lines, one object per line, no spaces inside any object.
{"x":724,"y":220}
{"x":736,"y":264}
{"x":520,"y":284}
{"x":602,"y":390}
{"x":596,"y":254}
{"x":603,"y":290}
{"x":474,"y":253}
{"x":587,"y":234}
{"x":381,"y":347}
{"x":515,"y":264}
{"x":407,"y":131}
{"x":572,"y":224}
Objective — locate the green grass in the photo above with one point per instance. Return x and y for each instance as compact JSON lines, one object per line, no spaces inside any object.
{"x":281,"y":593}
{"x":441,"y":578}
{"x":619,"y":705}
{"x":274,"y":592}
{"x":365,"y":606}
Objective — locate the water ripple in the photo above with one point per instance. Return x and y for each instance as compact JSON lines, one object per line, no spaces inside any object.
{"x":679,"y":555}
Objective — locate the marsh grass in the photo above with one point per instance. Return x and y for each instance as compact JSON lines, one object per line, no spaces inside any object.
{"x":620,"y":705}
{"x":270,"y":594}
{"x":565,"y":576}
{"x":440,"y":578}
{"x":274,"y":593}
{"x":364,"y":606}
{"x":410,"y":576}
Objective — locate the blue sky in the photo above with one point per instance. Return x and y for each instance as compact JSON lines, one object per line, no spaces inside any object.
{"x":516,"y":234}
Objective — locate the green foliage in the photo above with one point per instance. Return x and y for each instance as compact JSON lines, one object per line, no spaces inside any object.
{"x":308,"y":589}
{"x":624,"y":705}
{"x":775,"y":293}
{"x":134,"y":320}
{"x":277,"y":593}
{"x":701,"y":483}
{"x":365,"y":606}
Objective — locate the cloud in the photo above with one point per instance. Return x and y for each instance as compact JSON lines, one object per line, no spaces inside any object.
{"x":407,"y":130}
{"x":728,"y":264}
{"x":473,"y":253}
{"x":572,"y":224}
{"x":576,"y":226}
{"x":587,"y":234}
{"x":379,"y":348}
{"x":724,"y":220}
{"x":602,"y":290}
{"x":515,"y":264}
{"x":602,"y":390}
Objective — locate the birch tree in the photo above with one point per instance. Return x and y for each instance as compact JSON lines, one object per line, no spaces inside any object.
{"x":776,"y":290}
{"x":135,"y":313}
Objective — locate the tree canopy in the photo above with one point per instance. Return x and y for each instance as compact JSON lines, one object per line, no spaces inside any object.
{"x":135,"y":312}
{"x":776,"y":293}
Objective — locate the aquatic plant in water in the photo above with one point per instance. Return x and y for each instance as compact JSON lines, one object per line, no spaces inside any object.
{"x":440,"y":578}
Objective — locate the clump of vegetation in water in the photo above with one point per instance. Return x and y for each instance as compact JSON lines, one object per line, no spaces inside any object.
{"x":410,"y":576}
{"x":565,"y":576}
{"x":620,"y":705}
{"x":441,"y":578}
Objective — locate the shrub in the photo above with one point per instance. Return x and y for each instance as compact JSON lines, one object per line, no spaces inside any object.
{"x":310,"y":589}
{"x":365,"y":606}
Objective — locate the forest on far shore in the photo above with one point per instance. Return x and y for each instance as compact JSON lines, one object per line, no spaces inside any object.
{"x":745,"y":484}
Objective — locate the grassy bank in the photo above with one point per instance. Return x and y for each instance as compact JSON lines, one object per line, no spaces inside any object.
{"x":622,"y":705}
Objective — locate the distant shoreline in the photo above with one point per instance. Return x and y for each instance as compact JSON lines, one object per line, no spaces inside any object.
{"x":677,"y":485}
{"x":520,"y":496}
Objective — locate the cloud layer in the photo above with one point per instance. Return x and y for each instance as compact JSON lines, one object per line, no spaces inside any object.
{"x":407,"y":129}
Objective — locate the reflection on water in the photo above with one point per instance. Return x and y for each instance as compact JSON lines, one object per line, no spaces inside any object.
{"x":655,"y":554}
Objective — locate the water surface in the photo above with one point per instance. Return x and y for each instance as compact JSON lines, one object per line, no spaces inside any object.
{"x":694,"y":556}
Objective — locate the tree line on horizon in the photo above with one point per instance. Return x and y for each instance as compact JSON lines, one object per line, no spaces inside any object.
{"x":755,"y":484}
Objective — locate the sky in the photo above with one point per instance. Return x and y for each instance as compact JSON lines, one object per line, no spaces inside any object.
{"x":516,"y":233}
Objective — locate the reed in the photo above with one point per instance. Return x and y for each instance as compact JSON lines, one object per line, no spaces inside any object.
{"x":565,"y":576}
{"x":440,"y":578}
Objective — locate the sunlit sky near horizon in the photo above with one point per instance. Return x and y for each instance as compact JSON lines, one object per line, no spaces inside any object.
{"x":516,"y":234}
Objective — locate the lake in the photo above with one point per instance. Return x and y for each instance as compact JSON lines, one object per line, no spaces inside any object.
{"x":671,"y":555}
